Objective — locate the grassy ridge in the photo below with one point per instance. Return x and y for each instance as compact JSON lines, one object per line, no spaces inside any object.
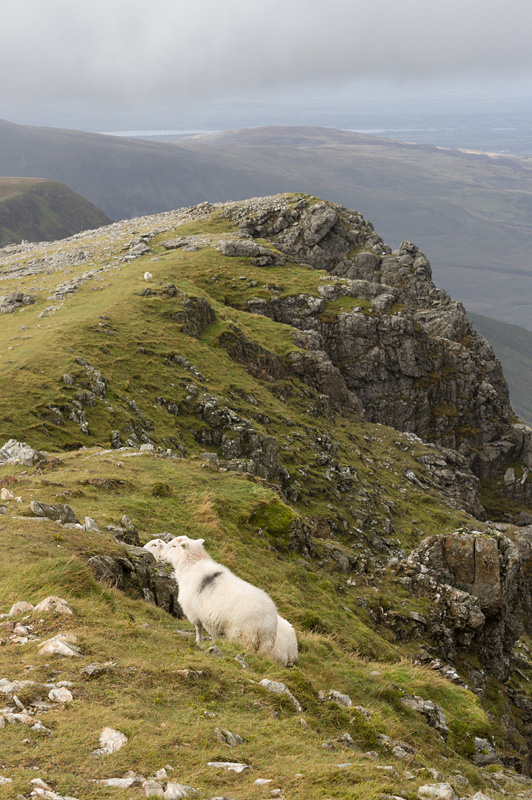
{"x":162,"y":691}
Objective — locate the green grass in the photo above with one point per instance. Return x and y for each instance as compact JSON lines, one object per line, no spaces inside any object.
{"x":161,"y":711}
{"x":247,"y":524}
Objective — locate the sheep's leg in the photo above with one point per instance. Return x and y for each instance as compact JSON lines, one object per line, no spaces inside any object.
{"x":199,"y":634}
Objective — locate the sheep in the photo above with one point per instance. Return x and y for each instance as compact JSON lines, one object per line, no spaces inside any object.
{"x":155,"y":546}
{"x":285,"y":645}
{"x":215,"y":599}
{"x":148,"y":277}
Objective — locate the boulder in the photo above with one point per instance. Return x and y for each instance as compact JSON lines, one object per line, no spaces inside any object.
{"x":59,"y":512}
{"x":14,"y":452}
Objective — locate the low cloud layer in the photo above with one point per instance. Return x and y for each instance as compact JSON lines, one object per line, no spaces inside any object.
{"x":131,"y":50}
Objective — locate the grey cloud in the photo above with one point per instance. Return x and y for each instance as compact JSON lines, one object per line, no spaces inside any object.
{"x":130,"y":51}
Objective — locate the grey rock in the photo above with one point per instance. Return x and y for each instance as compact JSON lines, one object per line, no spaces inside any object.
{"x":341,"y":699}
{"x":485,"y":753}
{"x":481,"y":589}
{"x":436,"y":791}
{"x":139,"y":575}
{"x":260,"y":255}
{"x":13,"y":452}
{"x":432,"y":712}
{"x":59,"y":512}
{"x":226,"y":737}
{"x":279,"y":688}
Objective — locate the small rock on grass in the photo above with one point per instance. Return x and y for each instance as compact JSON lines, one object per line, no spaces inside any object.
{"x":111,"y":740}
{"x":436,"y":791}
{"x":233,"y":766}
{"x":279,"y":688}
{"x":21,"y":607}
{"x":63,"y":644}
{"x":60,"y":695}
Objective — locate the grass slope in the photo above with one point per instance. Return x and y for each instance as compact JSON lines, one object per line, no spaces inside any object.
{"x":165,"y":695}
{"x":38,"y":210}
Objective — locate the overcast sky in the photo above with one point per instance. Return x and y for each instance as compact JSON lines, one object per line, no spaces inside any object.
{"x":129,"y":52}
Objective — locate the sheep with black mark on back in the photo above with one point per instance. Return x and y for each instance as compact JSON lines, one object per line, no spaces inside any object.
{"x":215,"y":599}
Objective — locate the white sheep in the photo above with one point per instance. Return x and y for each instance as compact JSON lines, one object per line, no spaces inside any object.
{"x":214,"y":599}
{"x":148,"y":277}
{"x":285,"y":645}
{"x":155,"y":547}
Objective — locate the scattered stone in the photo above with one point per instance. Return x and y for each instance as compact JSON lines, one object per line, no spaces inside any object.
{"x":95,"y":670}
{"x":226,"y":737}
{"x":60,"y":695}
{"x":54,"y":604}
{"x":432,"y":712}
{"x":485,"y":753}
{"x":40,"y":728}
{"x":279,"y":688}
{"x":365,"y":713}
{"x":241,"y":661}
{"x":4,"y":781}
{"x":436,"y":791}
{"x":174,"y":791}
{"x":63,"y":644}
{"x":48,"y":794}
{"x":60,"y":513}
{"x":341,"y":699}
{"x":91,"y":525}
{"x":390,"y":770}
{"x":6,"y":494}
{"x":348,"y":740}
{"x":153,"y":789}
{"x":232,"y":766}
{"x":263,"y":781}
{"x":111,"y":740}
{"x":21,"y":607}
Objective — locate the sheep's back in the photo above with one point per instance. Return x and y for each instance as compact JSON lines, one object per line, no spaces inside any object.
{"x":228,"y":606}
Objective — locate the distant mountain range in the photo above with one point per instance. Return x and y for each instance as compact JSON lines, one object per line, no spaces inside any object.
{"x":39,"y":210}
{"x":469,"y":212}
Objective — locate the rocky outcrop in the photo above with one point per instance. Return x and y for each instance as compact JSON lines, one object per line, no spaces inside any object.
{"x":481,"y":595}
{"x":407,"y":353}
{"x":244,"y":448}
{"x":136,"y":572}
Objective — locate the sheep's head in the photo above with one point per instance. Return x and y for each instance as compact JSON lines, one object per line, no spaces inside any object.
{"x":183,"y":550}
{"x":155,"y":547}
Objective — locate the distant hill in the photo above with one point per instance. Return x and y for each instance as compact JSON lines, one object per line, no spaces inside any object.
{"x":39,"y":210}
{"x":124,"y":177}
{"x":513,"y":347}
{"x":469,"y":212}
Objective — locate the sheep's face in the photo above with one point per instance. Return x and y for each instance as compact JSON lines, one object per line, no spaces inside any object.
{"x":155,"y":547}
{"x":183,"y":550}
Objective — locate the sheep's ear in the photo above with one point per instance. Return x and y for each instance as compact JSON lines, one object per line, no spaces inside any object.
{"x":184,"y":545}
{"x":200,"y":541}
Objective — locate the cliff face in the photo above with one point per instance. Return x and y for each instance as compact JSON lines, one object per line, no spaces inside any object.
{"x":405,"y":349}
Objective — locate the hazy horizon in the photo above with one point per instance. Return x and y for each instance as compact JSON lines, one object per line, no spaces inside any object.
{"x":355,"y":66}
